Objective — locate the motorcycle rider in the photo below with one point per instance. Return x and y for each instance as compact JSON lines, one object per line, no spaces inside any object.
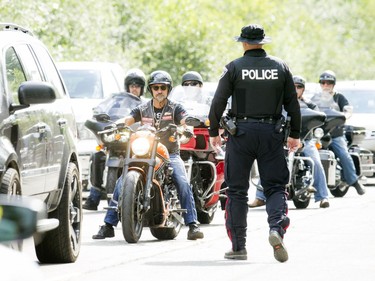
{"x":327,"y":81}
{"x":159,"y":112}
{"x":310,"y":150}
{"x":134,"y":83}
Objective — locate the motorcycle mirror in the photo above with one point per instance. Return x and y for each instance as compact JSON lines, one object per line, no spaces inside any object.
{"x":102,"y":117}
{"x":192,"y":121}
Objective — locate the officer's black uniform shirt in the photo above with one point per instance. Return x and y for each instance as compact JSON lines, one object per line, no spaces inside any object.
{"x":259,"y":85}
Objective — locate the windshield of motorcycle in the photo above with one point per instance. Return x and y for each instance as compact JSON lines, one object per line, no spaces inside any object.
{"x":118,"y":105}
{"x":325,"y":100}
{"x":195,"y":100}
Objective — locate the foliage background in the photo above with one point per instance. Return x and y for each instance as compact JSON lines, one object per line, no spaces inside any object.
{"x":180,"y":35}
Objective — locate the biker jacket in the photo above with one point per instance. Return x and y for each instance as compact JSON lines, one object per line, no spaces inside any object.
{"x":171,"y":113}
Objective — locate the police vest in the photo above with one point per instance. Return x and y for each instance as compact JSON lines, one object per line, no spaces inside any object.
{"x":258,"y":86}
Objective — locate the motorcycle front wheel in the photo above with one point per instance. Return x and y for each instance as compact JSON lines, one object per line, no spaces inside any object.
{"x":131,"y":206}
{"x":340,"y":190}
{"x":341,"y":187}
{"x":302,"y":204}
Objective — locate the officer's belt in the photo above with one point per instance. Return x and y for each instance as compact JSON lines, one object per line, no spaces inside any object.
{"x":267,"y":120}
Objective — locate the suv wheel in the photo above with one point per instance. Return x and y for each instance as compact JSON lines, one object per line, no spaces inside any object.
{"x":11,"y":183}
{"x":62,"y":244}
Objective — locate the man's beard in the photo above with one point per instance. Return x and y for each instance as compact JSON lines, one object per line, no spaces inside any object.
{"x":160,"y":98}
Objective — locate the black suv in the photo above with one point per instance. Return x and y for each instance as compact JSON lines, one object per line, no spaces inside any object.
{"x":38,"y":133}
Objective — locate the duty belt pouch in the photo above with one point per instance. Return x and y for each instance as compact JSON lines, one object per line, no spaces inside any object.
{"x":280,"y":124}
{"x":228,"y":124}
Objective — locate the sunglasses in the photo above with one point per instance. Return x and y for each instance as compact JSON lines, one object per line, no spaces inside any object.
{"x":134,"y":86}
{"x":192,"y":83}
{"x":156,"y":87}
{"x":326,"y":82}
{"x":300,"y":86}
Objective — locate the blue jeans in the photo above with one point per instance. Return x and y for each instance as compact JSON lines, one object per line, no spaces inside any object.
{"x":320,"y":181}
{"x":184,"y":191}
{"x":340,"y":148}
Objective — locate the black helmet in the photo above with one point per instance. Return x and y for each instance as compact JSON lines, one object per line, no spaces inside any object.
{"x":135,"y":76}
{"x":328,"y":75}
{"x":160,"y":77}
{"x":299,"y":80}
{"x":192,"y":76}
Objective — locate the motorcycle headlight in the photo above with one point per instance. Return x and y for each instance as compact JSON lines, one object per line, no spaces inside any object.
{"x":140,"y":146}
{"x":318,"y":133}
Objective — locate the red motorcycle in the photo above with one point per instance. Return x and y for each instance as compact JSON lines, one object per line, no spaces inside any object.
{"x":204,"y":167}
{"x":205,"y":170}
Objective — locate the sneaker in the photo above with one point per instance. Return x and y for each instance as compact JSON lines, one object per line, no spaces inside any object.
{"x":279,"y":251}
{"x":324,"y":203}
{"x":194,"y":232}
{"x":90,"y":205}
{"x":257,"y":203}
{"x":236,"y":255}
{"x":359,"y":187}
{"x":105,"y":231}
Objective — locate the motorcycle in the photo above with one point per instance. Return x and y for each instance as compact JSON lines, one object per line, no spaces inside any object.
{"x":204,"y":167}
{"x":354,"y":135}
{"x":332,"y":165}
{"x":301,"y":167}
{"x":111,"y":142}
{"x":148,"y":195}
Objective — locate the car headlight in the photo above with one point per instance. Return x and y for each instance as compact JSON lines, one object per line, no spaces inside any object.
{"x":318,"y":133}
{"x":140,"y":146}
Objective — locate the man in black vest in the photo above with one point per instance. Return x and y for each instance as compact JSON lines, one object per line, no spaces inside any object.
{"x":159,"y":112}
{"x":260,"y":86}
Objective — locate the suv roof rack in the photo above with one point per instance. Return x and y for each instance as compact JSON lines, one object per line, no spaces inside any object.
{"x":12,"y":26}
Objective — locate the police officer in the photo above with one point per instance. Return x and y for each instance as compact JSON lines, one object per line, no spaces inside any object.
{"x":259,"y":85}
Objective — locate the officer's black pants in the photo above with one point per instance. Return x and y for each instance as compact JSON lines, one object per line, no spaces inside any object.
{"x":255,"y":141}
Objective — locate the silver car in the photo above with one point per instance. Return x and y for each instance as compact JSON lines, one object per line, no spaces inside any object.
{"x":361,"y":95}
{"x":88,"y":84}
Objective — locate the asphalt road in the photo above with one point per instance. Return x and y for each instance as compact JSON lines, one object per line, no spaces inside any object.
{"x":323,"y":244}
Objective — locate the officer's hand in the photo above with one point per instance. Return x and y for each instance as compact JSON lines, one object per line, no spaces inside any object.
{"x":216,"y":143}
{"x":293,"y":144}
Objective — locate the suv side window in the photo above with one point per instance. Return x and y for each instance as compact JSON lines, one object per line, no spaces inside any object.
{"x":14,"y":74}
{"x":28,"y":62}
{"x":49,"y":70}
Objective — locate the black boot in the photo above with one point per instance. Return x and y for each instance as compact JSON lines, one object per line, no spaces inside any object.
{"x":105,"y":231}
{"x":359,"y":187}
{"x":90,"y":205}
{"x":194,"y":232}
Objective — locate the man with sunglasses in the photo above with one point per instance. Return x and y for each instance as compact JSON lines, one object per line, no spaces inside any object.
{"x":310,"y":150}
{"x":159,"y":112}
{"x":327,"y":81}
{"x":192,"y":78}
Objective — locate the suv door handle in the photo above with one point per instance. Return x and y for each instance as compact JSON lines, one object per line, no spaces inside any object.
{"x":61,"y":123}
